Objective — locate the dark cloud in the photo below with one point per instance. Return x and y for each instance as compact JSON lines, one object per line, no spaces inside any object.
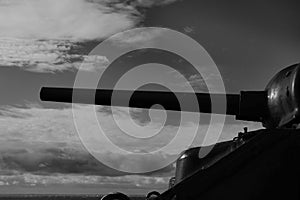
{"x":47,"y":159}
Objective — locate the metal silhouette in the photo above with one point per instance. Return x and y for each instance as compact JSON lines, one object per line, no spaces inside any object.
{"x":255,"y":165}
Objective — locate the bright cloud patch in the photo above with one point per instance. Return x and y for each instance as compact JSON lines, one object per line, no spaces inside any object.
{"x":69,"y":19}
{"x":39,"y":35}
{"x":39,"y":145}
{"x":46,"y":56}
{"x":42,"y":148}
{"x":38,"y":128}
{"x":61,"y":19}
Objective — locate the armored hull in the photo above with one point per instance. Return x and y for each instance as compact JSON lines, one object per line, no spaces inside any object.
{"x":266,"y":166}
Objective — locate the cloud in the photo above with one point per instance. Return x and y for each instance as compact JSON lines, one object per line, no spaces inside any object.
{"x":61,"y":19}
{"x":138,"y":37}
{"x":47,"y":158}
{"x":189,"y":29}
{"x":40,"y":146}
{"x":37,"y":126}
{"x":24,"y":163}
{"x":70,"y":19}
{"x":204,"y":84}
{"x":39,"y":36}
{"x":150,"y":3}
{"x":40,"y":135}
{"x":61,"y":180}
{"x":46,"y":56}
{"x":51,"y":125}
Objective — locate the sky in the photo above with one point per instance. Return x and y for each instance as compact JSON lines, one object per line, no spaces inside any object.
{"x":44,"y":42}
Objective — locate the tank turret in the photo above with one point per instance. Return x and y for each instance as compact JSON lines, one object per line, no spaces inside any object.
{"x":277,"y":106}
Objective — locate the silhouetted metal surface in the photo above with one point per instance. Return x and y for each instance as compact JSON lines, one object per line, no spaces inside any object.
{"x":140,"y":99}
{"x":277,"y":106}
{"x":265,"y":167}
{"x":189,"y":161}
{"x":284,"y":97}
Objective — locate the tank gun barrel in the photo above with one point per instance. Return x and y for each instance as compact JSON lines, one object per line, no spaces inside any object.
{"x":168,"y":100}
